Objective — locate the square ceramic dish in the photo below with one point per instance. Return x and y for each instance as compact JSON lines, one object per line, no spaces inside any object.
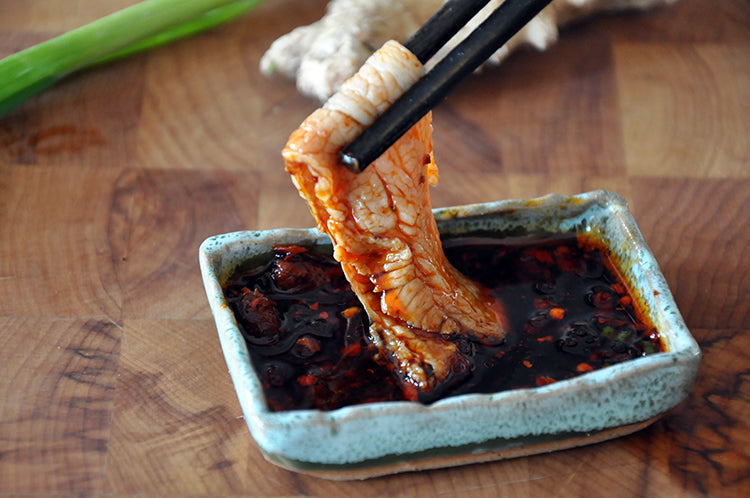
{"x":373,"y":439}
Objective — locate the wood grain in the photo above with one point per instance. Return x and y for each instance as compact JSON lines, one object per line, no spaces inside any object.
{"x":695,"y":229}
{"x":112,"y":380}
{"x":57,"y":391}
{"x":684,"y":108}
{"x":55,"y":259}
{"x":159,"y":219}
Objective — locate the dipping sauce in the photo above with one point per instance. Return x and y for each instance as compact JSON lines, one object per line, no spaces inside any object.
{"x":568,"y":311}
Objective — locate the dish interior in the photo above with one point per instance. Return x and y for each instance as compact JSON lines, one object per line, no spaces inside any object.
{"x":566,"y":307}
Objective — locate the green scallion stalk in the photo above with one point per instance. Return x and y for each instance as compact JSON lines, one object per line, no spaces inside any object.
{"x":141,"y":27}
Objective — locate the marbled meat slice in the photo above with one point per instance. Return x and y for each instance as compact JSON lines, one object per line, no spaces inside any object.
{"x":383,"y":230}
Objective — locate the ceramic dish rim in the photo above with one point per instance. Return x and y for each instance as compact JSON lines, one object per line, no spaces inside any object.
{"x":248,"y":386}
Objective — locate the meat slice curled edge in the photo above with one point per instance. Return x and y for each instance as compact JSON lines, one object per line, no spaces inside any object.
{"x":383,"y":230}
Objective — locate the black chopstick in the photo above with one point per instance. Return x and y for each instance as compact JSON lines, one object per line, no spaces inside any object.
{"x":446,"y":22}
{"x":493,"y":33}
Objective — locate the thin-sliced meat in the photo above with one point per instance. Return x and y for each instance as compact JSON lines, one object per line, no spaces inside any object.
{"x":383,"y":230}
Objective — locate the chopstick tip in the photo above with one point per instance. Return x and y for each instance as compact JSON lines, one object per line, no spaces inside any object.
{"x":350,"y":162}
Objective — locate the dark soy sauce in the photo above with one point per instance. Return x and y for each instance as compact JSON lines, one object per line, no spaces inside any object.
{"x":567,"y":309}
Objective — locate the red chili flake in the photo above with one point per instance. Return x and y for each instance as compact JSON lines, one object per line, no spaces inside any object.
{"x":546,"y":338}
{"x":584,"y":367}
{"x":625,"y":300}
{"x":557,"y":313}
{"x":543,"y":381}
{"x":306,"y":380}
{"x":540,"y":303}
{"x":527,"y":364}
{"x":350,"y":312}
{"x":257,"y":301}
{"x":289,"y":250}
{"x":323,"y":315}
{"x":310,"y":344}
{"x":656,"y":293}
{"x":351,"y":350}
{"x":410,"y":391}
{"x":543,"y":256}
{"x":314,"y":306}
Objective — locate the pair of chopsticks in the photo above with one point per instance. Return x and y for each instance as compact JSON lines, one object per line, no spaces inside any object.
{"x":465,"y":58}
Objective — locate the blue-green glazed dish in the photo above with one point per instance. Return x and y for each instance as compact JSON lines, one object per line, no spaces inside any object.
{"x":369,"y":440}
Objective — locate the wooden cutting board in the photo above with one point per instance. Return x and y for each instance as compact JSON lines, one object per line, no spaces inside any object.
{"x":111,"y":376}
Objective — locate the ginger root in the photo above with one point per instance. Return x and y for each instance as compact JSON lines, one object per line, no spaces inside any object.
{"x":322,"y":55}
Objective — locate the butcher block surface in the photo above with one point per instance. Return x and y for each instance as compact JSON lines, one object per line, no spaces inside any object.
{"x":112,"y":380}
